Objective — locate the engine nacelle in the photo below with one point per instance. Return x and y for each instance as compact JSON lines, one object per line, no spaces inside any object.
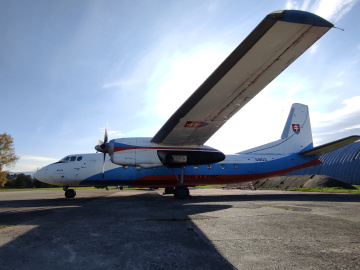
{"x":134,"y":152}
{"x":142,"y":152}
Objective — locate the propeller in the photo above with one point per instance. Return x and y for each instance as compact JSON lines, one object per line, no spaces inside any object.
{"x":103,"y":147}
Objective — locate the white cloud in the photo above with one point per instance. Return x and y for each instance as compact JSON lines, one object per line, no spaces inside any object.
{"x":332,"y":10}
{"x":350,"y":107}
{"x":332,"y":125}
{"x":292,"y":4}
{"x":115,"y":134}
{"x":118,"y":84}
{"x":180,"y":75}
{"x":34,"y":158}
{"x":314,"y":48}
{"x":30,"y":163}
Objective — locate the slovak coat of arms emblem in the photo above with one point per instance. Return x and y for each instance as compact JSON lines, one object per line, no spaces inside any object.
{"x":296,"y":128}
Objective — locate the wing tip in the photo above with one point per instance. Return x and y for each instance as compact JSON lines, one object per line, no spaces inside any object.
{"x":300,"y":16}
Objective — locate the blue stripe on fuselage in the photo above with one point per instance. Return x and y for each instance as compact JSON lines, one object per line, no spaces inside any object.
{"x":122,"y":176}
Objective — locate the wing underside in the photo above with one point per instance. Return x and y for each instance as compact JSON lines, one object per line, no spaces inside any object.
{"x":270,"y":48}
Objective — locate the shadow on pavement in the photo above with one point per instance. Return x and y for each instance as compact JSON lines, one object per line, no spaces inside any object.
{"x":144,"y":231}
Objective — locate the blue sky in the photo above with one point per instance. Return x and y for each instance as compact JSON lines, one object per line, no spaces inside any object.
{"x":68,"y":67}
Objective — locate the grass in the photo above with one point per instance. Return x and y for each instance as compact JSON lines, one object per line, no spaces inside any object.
{"x":6,"y":226}
{"x":211,"y":186}
{"x":328,"y":189}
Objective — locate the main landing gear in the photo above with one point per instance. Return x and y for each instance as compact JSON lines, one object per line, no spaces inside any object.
{"x":181,"y":191}
{"x":69,"y":193}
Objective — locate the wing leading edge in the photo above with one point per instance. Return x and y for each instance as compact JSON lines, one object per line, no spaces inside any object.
{"x":271,"y":47}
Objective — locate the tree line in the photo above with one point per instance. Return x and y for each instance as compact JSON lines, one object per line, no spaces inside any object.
{"x":8,"y":158}
{"x":24,"y":181}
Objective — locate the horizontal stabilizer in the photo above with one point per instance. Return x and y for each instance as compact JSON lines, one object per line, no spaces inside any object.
{"x":328,"y":147}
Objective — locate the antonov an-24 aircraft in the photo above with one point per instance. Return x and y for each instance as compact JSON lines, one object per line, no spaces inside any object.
{"x":176,"y":157}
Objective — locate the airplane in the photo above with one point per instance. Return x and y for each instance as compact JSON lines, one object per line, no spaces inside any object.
{"x":176,"y":157}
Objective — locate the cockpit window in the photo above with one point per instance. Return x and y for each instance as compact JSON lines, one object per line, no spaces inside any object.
{"x":71,"y":158}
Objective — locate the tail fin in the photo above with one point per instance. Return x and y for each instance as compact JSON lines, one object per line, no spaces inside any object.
{"x":296,"y":136}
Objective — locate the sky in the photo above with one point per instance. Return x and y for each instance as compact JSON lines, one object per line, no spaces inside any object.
{"x":69,"y":67}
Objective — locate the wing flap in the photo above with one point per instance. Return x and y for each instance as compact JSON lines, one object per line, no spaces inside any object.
{"x":272,"y":46}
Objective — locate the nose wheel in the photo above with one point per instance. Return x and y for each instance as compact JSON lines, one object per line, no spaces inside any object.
{"x":69,"y":193}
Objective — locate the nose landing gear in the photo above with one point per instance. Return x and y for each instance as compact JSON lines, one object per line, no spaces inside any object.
{"x":69,"y":193}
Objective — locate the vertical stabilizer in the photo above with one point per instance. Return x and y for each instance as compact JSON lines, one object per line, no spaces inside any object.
{"x":298,"y":126}
{"x":296,"y":136}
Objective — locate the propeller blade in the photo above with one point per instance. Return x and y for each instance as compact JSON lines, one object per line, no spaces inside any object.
{"x":100,"y":142}
{"x":103,"y":169}
{"x":106,"y":133}
{"x":103,"y":147}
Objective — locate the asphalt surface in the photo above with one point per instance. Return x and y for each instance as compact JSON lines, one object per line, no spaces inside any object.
{"x":142,"y":229}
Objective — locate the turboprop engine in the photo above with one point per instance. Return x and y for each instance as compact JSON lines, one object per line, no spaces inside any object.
{"x":143,"y":153}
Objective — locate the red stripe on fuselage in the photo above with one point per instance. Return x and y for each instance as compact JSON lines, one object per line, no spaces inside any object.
{"x":117,"y":149}
{"x":197,"y":180}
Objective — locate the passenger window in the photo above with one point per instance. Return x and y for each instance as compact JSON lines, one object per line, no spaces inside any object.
{"x":73,"y":158}
{"x":79,"y":158}
{"x":222,"y":166}
{"x":196,"y":167}
{"x":209,"y":166}
{"x":236,"y":166}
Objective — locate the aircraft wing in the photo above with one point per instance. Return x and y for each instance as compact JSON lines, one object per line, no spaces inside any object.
{"x":272,"y":46}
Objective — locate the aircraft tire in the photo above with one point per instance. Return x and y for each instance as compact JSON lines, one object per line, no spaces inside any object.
{"x":181,"y":192}
{"x":70,"y":193}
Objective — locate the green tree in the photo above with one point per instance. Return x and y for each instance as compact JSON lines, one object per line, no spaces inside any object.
{"x":7,"y":155}
{"x":23,"y":181}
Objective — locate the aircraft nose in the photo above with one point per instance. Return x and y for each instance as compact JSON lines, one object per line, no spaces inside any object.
{"x":40,"y":174}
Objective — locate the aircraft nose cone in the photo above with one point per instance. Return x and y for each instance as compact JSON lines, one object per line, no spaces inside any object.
{"x":40,"y":174}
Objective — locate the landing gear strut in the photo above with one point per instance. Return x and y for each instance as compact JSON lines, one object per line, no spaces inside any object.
{"x":181,"y":192}
{"x":69,"y":193}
